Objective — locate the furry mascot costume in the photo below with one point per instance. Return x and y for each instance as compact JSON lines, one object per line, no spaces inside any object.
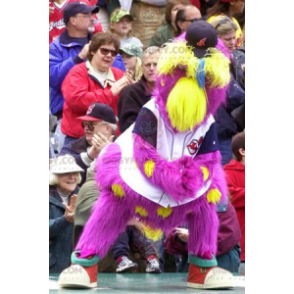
{"x":165,"y":169}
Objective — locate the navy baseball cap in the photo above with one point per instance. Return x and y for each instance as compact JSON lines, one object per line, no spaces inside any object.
{"x":98,"y":112}
{"x":73,"y":9}
{"x":201,"y":35}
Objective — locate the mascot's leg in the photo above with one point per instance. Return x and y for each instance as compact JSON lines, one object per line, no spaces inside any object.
{"x":108,"y":219}
{"x":203,"y":229}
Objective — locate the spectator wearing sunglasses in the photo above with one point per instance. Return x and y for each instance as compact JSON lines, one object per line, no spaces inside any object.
{"x":68,"y":50}
{"x":99,"y":126}
{"x":185,"y":17}
{"x":94,"y":81}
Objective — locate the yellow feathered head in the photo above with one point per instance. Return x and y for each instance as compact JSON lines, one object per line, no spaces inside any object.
{"x":185,"y":83}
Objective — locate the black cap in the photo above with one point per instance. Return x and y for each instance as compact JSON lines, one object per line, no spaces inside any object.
{"x":201,"y":35}
{"x":73,"y":9}
{"x":98,"y":112}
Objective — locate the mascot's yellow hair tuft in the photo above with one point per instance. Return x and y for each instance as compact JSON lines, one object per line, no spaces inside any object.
{"x":217,"y":69}
{"x":175,"y":54}
{"x":179,"y":55}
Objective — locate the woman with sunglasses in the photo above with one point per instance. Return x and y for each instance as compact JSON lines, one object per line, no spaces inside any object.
{"x":91,"y":82}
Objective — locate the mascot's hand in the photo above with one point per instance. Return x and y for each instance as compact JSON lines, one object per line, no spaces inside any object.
{"x":190,"y":183}
{"x":187,"y":178}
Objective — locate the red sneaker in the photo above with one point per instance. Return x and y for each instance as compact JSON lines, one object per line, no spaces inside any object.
{"x":209,"y":278}
{"x":82,"y":274}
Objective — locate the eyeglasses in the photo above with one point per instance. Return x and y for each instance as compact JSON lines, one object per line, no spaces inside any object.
{"x":105,"y":52}
{"x":91,"y":125}
{"x":193,"y":19}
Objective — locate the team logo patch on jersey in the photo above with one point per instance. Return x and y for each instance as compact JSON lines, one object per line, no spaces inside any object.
{"x":194,"y":145}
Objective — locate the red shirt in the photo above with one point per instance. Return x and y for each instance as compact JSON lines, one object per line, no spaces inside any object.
{"x":80,"y":90}
{"x":235,"y":172}
{"x":56,"y":23}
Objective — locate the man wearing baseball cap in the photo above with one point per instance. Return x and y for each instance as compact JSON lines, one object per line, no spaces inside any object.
{"x":56,"y":18}
{"x":70,"y":49}
{"x":79,"y":9}
{"x":99,"y":125}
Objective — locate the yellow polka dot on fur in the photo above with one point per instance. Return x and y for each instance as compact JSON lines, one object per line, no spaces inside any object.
{"x":118,"y":190}
{"x":214,"y":196}
{"x":164,"y":212}
{"x":149,"y":167}
{"x":205,"y":172}
{"x":152,"y":234}
{"x":141,"y":210}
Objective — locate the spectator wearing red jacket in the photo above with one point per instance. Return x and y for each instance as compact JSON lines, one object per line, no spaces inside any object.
{"x":235,"y":172}
{"x":91,"y":82}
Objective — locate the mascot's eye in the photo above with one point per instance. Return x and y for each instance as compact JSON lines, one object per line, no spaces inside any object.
{"x":152,"y":125}
{"x":144,"y":125}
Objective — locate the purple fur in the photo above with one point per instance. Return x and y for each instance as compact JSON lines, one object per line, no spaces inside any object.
{"x":212,"y":161}
{"x":216,"y":96}
{"x":180,"y":179}
{"x":221,"y":47}
{"x":103,"y":227}
{"x":203,"y":228}
{"x":161,"y":93}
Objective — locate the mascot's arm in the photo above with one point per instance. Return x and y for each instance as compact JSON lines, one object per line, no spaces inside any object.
{"x":179,"y":179}
{"x":212,"y":170}
{"x":209,"y":158}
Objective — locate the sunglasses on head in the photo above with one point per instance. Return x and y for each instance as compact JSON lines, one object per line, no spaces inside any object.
{"x":105,"y":52}
{"x":223,"y":21}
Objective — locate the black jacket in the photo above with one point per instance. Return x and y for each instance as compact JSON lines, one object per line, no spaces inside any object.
{"x":131,"y":100}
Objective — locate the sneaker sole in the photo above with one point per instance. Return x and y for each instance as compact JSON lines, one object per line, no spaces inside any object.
{"x":79,"y":286}
{"x":154,"y":272}
{"x":203,"y":286}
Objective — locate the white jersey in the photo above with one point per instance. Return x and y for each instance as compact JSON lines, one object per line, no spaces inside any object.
{"x":169,"y":145}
